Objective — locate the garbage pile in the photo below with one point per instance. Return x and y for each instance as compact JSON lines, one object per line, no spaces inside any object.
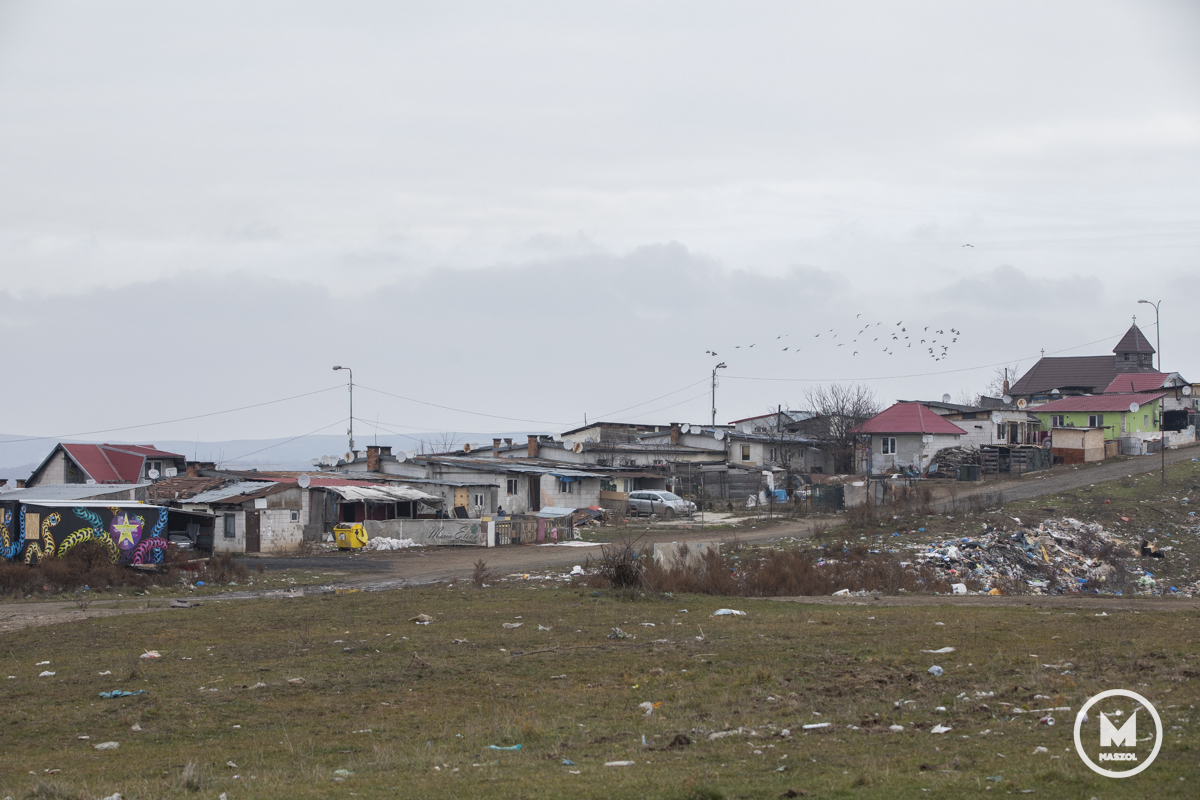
{"x":949,"y":459}
{"x":1047,"y":560}
{"x":388,"y":543}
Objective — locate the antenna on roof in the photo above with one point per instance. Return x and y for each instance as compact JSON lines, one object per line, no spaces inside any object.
{"x":946,"y":398}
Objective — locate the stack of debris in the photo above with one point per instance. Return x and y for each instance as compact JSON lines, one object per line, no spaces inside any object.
{"x":1051,"y":559}
{"x":949,"y":459}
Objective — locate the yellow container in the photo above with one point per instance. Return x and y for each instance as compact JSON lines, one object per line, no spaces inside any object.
{"x":349,"y":535}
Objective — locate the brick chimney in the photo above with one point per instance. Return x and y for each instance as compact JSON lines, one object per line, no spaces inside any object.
{"x":495,"y":448}
{"x":674,"y":433}
{"x":20,"y":483}
{"x":372,"y":458}
{"x":533,"y":447}
{"x":508,"y":442}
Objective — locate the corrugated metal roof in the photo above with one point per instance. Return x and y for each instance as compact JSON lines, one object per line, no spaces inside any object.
{"x":908,"y":418}
{"x":517,"y":465}
{"x":67,"y":491}
{"x":1100,"y":402}
{"x":1137,"y":382}
{"x":232,"y":490}
{"x":384,"y":494}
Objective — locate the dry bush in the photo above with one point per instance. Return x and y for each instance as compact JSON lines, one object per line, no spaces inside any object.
{"x":191,"y":778}
{"x":864,"y":515}
{"x":85,"y":565}
{"x":795,"y":572}
{"x":481,"y":574}
{"x":620,"y":565}
{"x":912,"y":500}
{"x":224,"y":569}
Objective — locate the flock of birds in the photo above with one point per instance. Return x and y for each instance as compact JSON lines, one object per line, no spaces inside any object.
{"x":935,"y":344}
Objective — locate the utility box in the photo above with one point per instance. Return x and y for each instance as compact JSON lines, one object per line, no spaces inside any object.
{"x":350,"y":535}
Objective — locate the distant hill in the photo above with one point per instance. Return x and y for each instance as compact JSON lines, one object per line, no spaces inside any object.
{"x":19,"y":456}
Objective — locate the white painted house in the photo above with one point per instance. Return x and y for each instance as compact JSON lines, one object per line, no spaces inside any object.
{"x":907,"y":435}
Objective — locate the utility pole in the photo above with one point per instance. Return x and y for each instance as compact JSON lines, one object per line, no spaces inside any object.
{"x":1157,"y":330}
{"x":714,"y":392}
{"x":351,"y":432}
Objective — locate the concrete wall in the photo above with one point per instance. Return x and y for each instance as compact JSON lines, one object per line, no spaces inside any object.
{"x":55,"y":471}
{"x":1088,"y":440}
{"x":222,"y":545}
{"x":442,"y":532}
{"x":585,"y":492}
{"x":912,"y":451}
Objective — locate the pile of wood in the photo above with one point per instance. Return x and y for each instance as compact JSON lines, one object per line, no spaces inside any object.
{"x":949,"y":459}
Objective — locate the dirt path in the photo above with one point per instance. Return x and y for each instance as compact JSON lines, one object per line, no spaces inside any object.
{"x":394,"y":570}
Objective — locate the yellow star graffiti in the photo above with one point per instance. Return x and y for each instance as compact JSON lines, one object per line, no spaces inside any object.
{"x":126,"y":530}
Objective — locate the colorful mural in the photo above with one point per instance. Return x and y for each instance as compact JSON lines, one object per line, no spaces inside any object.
{"x":130,"y":534}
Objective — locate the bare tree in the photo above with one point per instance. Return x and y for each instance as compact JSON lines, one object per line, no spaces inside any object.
{"x":967,"y":398}
{"x":839,"y":408}
{"x":444,"y":442}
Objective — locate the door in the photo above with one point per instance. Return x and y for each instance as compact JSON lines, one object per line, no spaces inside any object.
{"x":460,"y":497}
{"x":253,"y":542}
{"x":535,"y":493}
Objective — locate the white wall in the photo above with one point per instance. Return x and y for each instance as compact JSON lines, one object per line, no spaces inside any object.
{"x":912,"y":451}
{"x":277,"y":532}
{"x":584,"y":492}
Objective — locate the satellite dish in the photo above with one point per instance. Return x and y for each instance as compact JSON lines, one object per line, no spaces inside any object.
{"x":1007,"y":400}
{"x":1022,"y":403}
{"x":568,"y":443}
{"x":1133,"y":408}
{"x":402,"y":457}
{"x":1187,"y":390}
{"x":170,"y":472}
{"x":557,"y":437}
{"x":945,"y":398}
{"x":577,"y":447}
{"x":409,"y":453}
{"x":152,"y":474}
{"x":996,"y":417}
{"x":719,"y":435}
{"x":685,"y":428}
{"x":304,"y":481}
{"x":348,"y":457}
{"x":1054,"y":391}
{"x":467,"y":447}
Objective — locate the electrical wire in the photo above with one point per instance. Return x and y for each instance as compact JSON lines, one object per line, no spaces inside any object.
{"x":648,"y":402}
{"x":457,"y":410}
{"x":169,"y":421}
{"x":664,"y":408}
{"x":287,"y":441}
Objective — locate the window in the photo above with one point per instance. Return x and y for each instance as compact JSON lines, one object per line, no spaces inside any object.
{"x":479,"y":500}
{"x":1146,"y":420}
{"x":565,"y":487}
{"x":230,"y":526}
{"x":1124,"y":427}
{"x":1056,"y":421}
{"x":887,"y":445}
{"x":745,"y":452}
{"x":154,"y":465}
{"x":773,"y":455}
{"x":970,"y":415}
{"x":512,"y":486}
{"x":295,"y":515}
{"x":1095,"y":420}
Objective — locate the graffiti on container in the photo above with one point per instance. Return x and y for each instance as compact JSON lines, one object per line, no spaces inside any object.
{"x":129,"y":535}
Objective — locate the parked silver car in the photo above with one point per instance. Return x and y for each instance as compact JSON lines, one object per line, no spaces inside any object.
{"x":665,"y":504}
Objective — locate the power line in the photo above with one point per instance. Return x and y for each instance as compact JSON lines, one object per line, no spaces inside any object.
{"x":169,"y":421}
{"x":648,"y":402}
{"x":681,"y":402}
{"x":457,"y":410}
{"x":288,"y":441}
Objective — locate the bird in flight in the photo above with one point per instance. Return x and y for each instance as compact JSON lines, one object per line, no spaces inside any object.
{"x":968,"y":245}
{"x":711,"y":352}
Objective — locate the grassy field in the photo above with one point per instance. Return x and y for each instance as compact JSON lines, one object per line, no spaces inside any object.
{"x":406,"y":710}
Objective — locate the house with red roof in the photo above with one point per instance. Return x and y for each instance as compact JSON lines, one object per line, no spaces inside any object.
{"x":1136,"y":415}
{"x":907,"y":435}
{"x":106,"y":463}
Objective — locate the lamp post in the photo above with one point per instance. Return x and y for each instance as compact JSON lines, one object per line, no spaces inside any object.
{"x":351,"y":404}
{"x":1157,"y":330}
{"x":714,"y":392}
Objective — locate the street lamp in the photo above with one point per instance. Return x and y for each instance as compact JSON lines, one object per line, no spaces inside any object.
{"x":351,"y":404}
{"x":1157,"y":330}
{"x":714,"y":392}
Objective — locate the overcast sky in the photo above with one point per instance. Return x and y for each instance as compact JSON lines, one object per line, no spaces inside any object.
{"x":546,"y":210}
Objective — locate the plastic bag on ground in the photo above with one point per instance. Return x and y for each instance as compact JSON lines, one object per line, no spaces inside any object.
{"x":728,"y":612}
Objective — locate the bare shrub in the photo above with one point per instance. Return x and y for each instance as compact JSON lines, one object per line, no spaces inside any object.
{"x":224,"y":569}
{"x":863,"y":515}
{"x":191,"y":778}
{"x":481,"y":574}
{"x":620,"y":564}
{"x":88,"y":564}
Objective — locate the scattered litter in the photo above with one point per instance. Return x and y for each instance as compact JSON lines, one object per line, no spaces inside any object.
{"x":511,"y":624}
{"x":1039,"y":750}
{"x":388,"y":543}
{"x":342,"y":773}
{"x":959,"y":588}
{"x":619,"y":763}
{"x":542,"y":628}
{"x":41,"y":663}
{"x":150,"y":654}
{"x":566,"y":762}
{"x":120,"y":693}
{"x":712,"y":737}
{"x":815,"y":726}
{"x":940,"y":729}
{"x":935,"y":671}
{"x":940,"y":709}
{"x":421,"y":619}
{"x":1046,"y":721}
{"x":617,"y":633}
{"x":231,"y":765}
{"x":896,"y":728}
{"x":648,"y":707}
{"x":497,"y":747}
{"x":107,"y":745}
{"x":296,"y":681}
{"x":117,"y":796}
{"x":459,"y":641}
{"x":576,"y":570}
{"x":841,"y":593}
{"x":45,"y":674}
{"x":940,"y":651}
{"x":185,"y":604}
{"x":728,"y":612}
{"x":259,"y":685}
{"x":106,"y":672}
